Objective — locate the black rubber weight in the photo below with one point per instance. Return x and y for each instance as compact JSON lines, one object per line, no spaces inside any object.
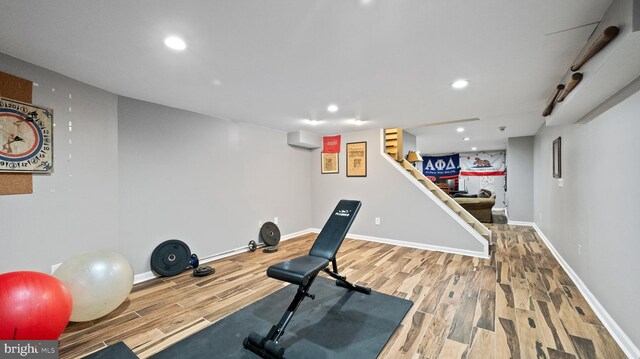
{"x":270,"y":234}
{"x":170,"y":258}
{"x":203,"y":271}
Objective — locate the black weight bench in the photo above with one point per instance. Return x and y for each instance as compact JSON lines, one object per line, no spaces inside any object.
{"x":302,"y":271}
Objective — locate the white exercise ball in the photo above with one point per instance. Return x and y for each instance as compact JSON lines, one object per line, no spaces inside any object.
{"x":98,"y":282}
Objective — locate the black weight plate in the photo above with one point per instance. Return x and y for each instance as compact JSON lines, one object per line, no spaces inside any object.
{"x":270,"y":249}
{"x":252,"y":245}
{"x":170,"y":258}
{"x":270,"y":234}
{"x":203,"y":271}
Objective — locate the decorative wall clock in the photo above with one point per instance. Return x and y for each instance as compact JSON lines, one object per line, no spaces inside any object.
{"x":26,"y":137}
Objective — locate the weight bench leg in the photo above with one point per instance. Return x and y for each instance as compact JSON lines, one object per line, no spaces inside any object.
{"x":341,"y":281}
{"x":268,"y":347}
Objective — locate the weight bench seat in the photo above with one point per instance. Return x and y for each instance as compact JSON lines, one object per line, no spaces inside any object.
{"x":303,"y":270}
{"x":298,"y":270}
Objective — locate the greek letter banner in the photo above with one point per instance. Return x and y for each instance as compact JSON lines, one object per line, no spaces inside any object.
{"x":482,"y":164}
{"x":441,"y":167}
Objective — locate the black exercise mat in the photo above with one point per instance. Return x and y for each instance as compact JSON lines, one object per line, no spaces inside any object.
{"x":337,"y":324}
{"x":118,"y":350}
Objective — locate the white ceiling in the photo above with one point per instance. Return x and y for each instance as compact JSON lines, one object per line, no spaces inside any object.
{"x":273,"y":63}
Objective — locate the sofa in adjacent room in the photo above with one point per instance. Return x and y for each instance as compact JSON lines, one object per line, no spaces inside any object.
{"x":479,"y":206}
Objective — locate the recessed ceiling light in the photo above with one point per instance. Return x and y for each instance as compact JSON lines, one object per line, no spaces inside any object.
{"x":460,"y":129}
{"x":332,"y":108}
{"x":312,"y":122}
{"x":466,"y":139}
{"x":175,"y":43}
{"x":460,"y":84}
{"x":474,"y":148}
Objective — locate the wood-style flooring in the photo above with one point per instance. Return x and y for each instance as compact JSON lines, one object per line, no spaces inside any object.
{"x":518,"y":304}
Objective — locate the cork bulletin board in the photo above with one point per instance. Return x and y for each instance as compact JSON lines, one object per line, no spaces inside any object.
{"x":18,"y":89}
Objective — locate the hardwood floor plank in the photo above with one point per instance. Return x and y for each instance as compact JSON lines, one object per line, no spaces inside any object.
{"x":552,"y":329}
{"x":435,"y":336}
{"x":505,"y":303}
{"x":584,"y":347}
{"x":454,"y":350}
{"x":483,"y":342}
{"x":531,"y":340}
{"x":485,"y":312}
{"x":536,"y":287}
{"x":581,"y":306}
{"x":419,"y":325}
{"x":557,"y":354}
{"x":462,"y":323}
{"x":521,"y":294}
{"x":507,"y":341}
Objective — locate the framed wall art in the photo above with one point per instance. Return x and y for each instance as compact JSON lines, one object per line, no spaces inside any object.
{"x":329,"y":163}
{"x":26,"y":137}
{"x":557,"y":158}
{"x":357,"y":159}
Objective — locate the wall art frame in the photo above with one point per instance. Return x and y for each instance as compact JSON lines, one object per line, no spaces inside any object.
{"x":557,"y":158}
{"x":357,"y":159}
{"x":329,"y":163}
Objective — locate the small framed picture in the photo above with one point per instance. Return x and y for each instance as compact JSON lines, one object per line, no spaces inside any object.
{"x":357,"y":159}
{"x":557,"y":158}
{"x":329,"y":163}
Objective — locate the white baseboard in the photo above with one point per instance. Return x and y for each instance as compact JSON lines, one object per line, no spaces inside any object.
{"x":142,"y":277}
{"x":519,"y":223}
{"x":413,"y":245}
{"x":420,"y":246}
{"x":629,"y":348}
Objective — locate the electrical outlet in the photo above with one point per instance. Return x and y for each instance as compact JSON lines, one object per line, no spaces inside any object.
{"x":560,"y":182}
{"x":579,"y":249}
{"x":540,"y":215}
{"x":378,"y":221}
{"x":275,"y":220}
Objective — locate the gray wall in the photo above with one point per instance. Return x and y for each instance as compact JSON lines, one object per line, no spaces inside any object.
{"x":74,"y":209}
{"x":405,"y":213}
{"x":204,"y":181}
{"x":520,"y":178}
{"x":408,"y":143}
{"x":132,"y":174}
{"x":596,"y":208}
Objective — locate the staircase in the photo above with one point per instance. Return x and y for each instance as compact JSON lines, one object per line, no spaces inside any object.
{"x":450,"y":202}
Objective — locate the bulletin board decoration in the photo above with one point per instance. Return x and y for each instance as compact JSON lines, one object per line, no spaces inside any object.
{"x":26,"y":137}
{"x":20,"y":89}
{"x":357,"y":159}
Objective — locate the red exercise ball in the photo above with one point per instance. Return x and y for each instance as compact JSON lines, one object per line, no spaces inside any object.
{"x":33,"y":306}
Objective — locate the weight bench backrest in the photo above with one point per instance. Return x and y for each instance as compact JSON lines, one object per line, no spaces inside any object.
{"x":332,"y":234}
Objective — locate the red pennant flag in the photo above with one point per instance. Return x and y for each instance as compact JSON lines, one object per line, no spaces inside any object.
{"x":331,"y":144}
